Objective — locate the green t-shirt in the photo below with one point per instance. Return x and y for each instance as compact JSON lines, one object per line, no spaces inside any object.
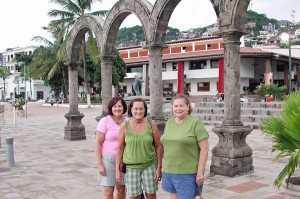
{"x":180,"y":143}
{"x":139,"y":151}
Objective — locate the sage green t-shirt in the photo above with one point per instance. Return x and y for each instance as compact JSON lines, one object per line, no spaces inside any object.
{"x":139,"y":151}
{"x":180,"y":143}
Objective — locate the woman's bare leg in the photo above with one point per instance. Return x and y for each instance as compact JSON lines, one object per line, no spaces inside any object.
{"x":121,"y":194}
{"x":108,"y":192}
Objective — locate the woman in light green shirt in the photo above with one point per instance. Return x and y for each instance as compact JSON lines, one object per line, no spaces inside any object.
{"x":140,"y":148}
{"x":185,"y":143}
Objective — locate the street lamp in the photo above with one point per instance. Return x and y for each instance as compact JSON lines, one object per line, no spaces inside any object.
{"x":287,"y":37}
{"x":25,"y":95}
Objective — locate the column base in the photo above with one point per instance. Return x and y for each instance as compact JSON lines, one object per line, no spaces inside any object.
{"x":231,"y":167}
{"x":98,"y":118}
{"x":161,"y":123}
{"x":74,"y":129}
{"x":232,"y":155}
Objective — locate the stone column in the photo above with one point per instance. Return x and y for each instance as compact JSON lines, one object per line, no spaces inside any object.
{"x":268,"y":80}
{"x":232,"y":155}
{"x":145,"y":78}
{"x":74,"y":129}
{"x":156,"y":86}
{"x":106,"y":83}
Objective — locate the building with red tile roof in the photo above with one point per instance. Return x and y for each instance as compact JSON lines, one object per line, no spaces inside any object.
{"x":202,"y":61}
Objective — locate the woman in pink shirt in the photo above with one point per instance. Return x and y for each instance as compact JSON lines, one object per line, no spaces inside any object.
{"x":106,"y":148}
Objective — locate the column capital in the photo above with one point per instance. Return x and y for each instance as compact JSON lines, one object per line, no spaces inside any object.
{"x":71,"y":65}
{"x":155,"y":46}
{"x":231,"y":35}
{"x":106,"y":58}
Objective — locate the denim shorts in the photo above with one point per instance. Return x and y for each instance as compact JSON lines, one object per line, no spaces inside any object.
{"x":183,"y":185}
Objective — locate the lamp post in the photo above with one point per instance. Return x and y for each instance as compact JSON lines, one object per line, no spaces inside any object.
{"x":25,"y":95}
{"x":290,"y":59}
{"x":287,"y":37}
{"x":25,"y":90}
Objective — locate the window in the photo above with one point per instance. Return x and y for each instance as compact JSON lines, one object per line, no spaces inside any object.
{"x":214,"y":63}
{"x":136,"y":69}
{"x":168,"y":87}
{"x":280,"y":68}
{"x":203,"y":86}
{"x":164,"y":67}
{"x":175,"y":66}
{"x":196,"y":65}
{"x":122,"y":90}
{"x":208,"y":45}
{"x":188,"y":87}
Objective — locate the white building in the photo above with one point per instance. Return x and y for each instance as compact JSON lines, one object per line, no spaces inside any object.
{"x":203,"y":71}
{"x":35,"y":89}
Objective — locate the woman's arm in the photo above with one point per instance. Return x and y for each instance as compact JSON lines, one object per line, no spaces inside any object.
{"x":120,"y":150}
{"x":98,"y":149}
{"x":203,"y":145}
{"x":158,"y":149}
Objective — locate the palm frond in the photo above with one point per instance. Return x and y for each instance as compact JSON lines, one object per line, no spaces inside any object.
{"x":102,"y":13}
{"x":42,"y":39}
{"x":60,"y":13}
{"x":284,"y":130}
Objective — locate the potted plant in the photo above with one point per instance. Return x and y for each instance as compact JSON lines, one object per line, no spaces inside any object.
{"x":19,"y":106}
{"x":284,"y":131}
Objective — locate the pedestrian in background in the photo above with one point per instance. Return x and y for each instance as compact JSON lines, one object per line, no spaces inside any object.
{"x":140,"y":149}
{"x":185,"y":144}
{"x":106,"y":148}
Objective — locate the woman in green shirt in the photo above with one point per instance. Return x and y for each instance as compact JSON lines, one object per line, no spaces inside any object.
{"x":140,"y":148}
{"x":185,"y":143}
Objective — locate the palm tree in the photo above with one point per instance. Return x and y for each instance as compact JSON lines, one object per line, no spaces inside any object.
{"x":4,"y":74}
{"x":48,"y":61}
{"x":71,"y":11}
{"x":284,"y":131}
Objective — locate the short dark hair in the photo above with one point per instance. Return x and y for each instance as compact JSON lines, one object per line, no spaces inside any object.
{"x":113,"y":101}
{"x":131,"y":105}
{"x":186,"y":99}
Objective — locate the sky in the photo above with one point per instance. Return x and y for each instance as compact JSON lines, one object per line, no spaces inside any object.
{"x":21,"y":20}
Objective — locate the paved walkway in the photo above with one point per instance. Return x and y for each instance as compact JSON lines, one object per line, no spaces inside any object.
{"x":48,"y":167}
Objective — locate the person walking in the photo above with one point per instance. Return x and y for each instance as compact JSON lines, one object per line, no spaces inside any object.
{"x":106,"y":148}
{"x":185,"y":144}
{"x":140,"y":149}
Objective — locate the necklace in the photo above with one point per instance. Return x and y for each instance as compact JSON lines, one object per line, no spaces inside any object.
{"x":138,"y":123}
{"x":118,"y":122}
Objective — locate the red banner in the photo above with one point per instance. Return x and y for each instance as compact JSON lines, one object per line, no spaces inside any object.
{"x":221,"y":75}
{"x":179,"y":78}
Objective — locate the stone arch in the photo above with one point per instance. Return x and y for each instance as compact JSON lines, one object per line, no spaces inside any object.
{"x":74,"y":129}
{"x":231,"y":14}
{"x":84,"y":24}
{"x":123,"y":8}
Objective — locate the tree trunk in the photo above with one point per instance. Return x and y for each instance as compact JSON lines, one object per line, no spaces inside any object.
{"x":30,"y":88}
{"x":66,"y":83}
{"x":117,"y":90}
{"x":3,"y":96}
{"x":88,"y":97}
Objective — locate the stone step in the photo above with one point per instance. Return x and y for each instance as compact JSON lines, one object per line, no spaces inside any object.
{"x":220,"y":117}
{"x":244,"y":111}
{"x":266,"y":105}
{"x":214,"y":123}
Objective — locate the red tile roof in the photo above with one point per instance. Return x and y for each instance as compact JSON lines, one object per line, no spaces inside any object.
{"x":199,"y":55}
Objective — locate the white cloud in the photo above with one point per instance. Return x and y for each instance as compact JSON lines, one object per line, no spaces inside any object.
{"x":22,"y":20}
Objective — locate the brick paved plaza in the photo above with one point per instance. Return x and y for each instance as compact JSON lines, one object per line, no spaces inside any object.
{"x":48,"y":167}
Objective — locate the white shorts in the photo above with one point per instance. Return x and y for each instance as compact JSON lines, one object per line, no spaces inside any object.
{"x":109,"y":162}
